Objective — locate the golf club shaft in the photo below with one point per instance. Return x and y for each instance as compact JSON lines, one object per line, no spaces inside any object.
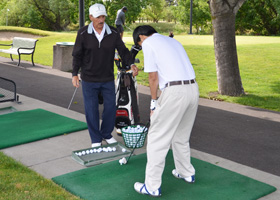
{"x":128,"y":28}
{"x":72,"y":98}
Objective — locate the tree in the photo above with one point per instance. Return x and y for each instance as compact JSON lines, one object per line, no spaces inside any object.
{"x":134,"y":9}
{"x":169,"y":14}
{"x":27,"y":18}
{"x":223,"y":13}
{"x":55,"y":13}
{"x":260,"y":17}
{"x":112,"y":6}
{"x":154,"y":10}
{"x":200,"y":14}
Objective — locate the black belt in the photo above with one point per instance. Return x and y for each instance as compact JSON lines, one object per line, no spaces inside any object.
{"x":186,"y":82}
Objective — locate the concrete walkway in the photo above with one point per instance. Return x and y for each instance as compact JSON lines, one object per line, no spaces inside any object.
{"x":52,"y":157}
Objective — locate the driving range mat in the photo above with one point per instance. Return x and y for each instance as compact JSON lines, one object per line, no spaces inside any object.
{"x":114,"y":181}
{"x":32,"y":125}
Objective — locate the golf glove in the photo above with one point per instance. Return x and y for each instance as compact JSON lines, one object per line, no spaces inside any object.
{"x":153,"y":104}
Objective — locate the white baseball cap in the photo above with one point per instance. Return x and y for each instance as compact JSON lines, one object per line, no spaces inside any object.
{"x":97,"y":9}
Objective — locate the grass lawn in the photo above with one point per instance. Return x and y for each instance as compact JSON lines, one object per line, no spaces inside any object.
{"x":18,"y":182}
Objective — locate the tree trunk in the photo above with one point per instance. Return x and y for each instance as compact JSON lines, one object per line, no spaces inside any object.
{"x":223,"y":14}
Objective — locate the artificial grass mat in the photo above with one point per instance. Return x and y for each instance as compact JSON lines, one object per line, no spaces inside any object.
{"x":28,"y":126}
{"x":112,"y":181}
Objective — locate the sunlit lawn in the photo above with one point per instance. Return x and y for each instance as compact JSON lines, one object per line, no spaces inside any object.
{"x":18,"y":183}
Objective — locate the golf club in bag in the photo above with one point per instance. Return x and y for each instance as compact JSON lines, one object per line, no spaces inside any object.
{"x":126,"y":94}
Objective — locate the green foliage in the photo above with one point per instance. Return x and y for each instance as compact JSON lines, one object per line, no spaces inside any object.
{"x":134,"y":7}
{"x":259,"y":17}
{"x":154,"y":10}
{"x":201,"y":17}
{"x":163,"y":27}
{"x":3,"y":4}
{"x":41,"y":14}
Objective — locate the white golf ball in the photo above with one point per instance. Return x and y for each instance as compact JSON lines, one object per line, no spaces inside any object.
{"x":83,"y":153}
{"x":105,"y":149}
{"x":80,"y":153}
{"x":87,"y":151}
{"x":114,"y":149}
{"x":110,"y":149}
{"x":123,"y":150}
{"x":91,"y":151}
{"x":122,"y":161}
{"x":94,"y":150}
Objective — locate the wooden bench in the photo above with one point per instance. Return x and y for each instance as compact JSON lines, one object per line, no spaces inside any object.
{"x":20,"y":46}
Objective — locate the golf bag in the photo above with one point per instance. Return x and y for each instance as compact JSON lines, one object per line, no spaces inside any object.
{"x":126,"y":94}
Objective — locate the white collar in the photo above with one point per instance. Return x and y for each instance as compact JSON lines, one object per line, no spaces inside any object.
{"x":90,"y":28}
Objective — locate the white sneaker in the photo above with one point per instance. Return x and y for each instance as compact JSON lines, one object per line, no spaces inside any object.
{"x":119,"y":132}
{"x":96,"y":144}
{"x":190,"y":179}
{"x":111,"y":140}
{"x":141,"y":188}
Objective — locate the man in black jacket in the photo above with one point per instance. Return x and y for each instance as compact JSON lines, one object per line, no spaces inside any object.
{"x":93,"y":53}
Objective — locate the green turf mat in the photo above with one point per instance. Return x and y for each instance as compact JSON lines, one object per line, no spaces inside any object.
{"x":28,"y":126}
{"x":1,"y":95}
{"x":111,"y":181}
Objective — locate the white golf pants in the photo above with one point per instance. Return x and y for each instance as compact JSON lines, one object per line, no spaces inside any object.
{"x":171,"y":123}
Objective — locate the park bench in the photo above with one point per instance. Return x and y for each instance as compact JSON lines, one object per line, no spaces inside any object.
{"x":20,"y":46}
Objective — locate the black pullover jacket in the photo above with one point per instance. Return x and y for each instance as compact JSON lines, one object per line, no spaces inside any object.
{"x":96,"y":60}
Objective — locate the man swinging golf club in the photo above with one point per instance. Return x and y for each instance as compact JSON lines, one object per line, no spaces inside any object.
{"x":173,"y":114}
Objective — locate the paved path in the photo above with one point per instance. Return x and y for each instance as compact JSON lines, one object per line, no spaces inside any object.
{"x":236,"y":137}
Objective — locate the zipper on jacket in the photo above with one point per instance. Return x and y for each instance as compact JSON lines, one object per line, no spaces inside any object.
{"x":101,"y":40}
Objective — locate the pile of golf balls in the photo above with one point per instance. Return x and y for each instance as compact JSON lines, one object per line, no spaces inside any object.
{"x":136,"y":129}
{"x":104,"y":149}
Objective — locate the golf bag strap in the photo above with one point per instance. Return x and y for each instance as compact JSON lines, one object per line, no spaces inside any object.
{"x":135,"y":109}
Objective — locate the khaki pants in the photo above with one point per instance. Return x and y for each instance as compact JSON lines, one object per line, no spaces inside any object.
{"x":171,"y":123}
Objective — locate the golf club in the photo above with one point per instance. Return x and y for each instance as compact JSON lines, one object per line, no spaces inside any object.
{"x":124,"y":161}
{"x":72,"y":97}
{"x":128,"y":28}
